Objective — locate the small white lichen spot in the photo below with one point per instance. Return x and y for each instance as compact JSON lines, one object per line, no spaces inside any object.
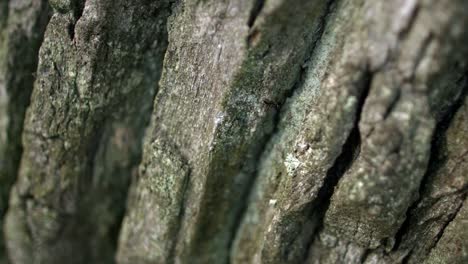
{"x":219,"y":118}
{"x":67,"y":145}
{"x":375,"y":210}
{"x":291,"y":163}
{"x":272,"y":202}
{"x":72,"y":74}
{"x":328,"y":239}
{"x":350,"y":102}
{"x":358,"y":192}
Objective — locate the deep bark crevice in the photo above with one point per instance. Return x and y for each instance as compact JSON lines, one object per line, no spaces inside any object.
{"x":115,"y":230}
{"x":279,"y":108}
{"x":433,"y":164}
{"x":257,"y":8}
{"x":77,"y":9}
{"x":442,"y":230}
{"x":350,"y":151}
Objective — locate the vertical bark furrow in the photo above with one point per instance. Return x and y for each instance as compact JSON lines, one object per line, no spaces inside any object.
{"x":342,"y":163}
{"x":228,"y":91}
{"x":277,"y":226}
{"x":203,"y":52}
{"x":444,"y":189}
{"x":267,"y":75}
{"x":416,"y":82}
{"x":155,"y":205}
{"x":255,"y":11}
{"x":22,"y":25}
{"x":281,"y":109}
{"x":442,"y":196}
{"x":98,"y":71}
{"x":452,"y":247}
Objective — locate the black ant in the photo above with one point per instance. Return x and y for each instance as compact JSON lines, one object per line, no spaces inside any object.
{"x":272,"y":104}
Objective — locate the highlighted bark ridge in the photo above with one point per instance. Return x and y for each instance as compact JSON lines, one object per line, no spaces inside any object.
{"x":397,"y":124}
{"x":220,"y":76}
{"x":22,"y":26}
{"x":404,"y":83}
{"x":97,"y":76}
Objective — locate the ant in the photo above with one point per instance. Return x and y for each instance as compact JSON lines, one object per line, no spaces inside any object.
{"x":272,"y":104}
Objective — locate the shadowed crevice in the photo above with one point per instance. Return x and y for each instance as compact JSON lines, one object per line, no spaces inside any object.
{"x":350,"y":151}
{"x":116,"y":229}
{"x":434,"y":164}
{"x":77,"y":9}
{"x":22,"y":33}
{"x":442,"y":230}
{"x":280,"y":108}
{"x":257,"y":8}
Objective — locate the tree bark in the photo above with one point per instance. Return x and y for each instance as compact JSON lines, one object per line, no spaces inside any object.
{"x":234,"y":131}
{"x":97,"y":75}
{"x":22,"y":25}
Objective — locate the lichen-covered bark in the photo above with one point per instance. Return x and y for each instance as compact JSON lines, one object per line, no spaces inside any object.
{"x":22,"y":25}
{"x":442,"y":197}
{"x":313,"y":128}
{"x":452,"y":245}
{"x":410,"y":56}
{"x":419,"y":80}
{"x":98,"y":70}
{"x":415,"y":84}
{"x":229,"y":66}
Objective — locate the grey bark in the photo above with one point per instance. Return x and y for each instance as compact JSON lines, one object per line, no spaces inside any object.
{"x":22,"y":25}
{"x":97,"y":76}
{"x":210,"y":122}
{"x":236,"y":131}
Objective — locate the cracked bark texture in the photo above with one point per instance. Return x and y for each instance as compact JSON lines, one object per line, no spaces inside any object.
{"x":235,"y":131}
{"x":219,"y":76}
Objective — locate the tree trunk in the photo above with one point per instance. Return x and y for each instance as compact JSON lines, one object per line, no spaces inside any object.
{"x":234,"y":131}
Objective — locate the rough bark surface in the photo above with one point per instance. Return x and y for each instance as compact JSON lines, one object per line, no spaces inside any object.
{"x":235,"y":131}
{"x":22,"y":25}
{"x":214,"y":109}
{"x":97,"y":76}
